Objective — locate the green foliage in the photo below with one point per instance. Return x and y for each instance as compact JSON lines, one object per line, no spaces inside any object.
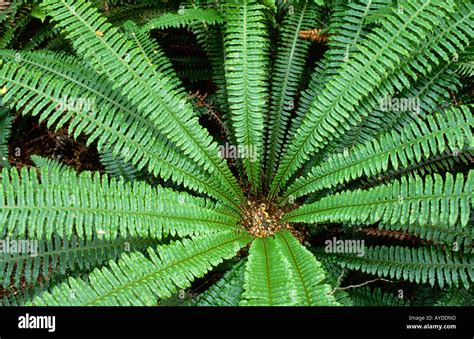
{"x":390,"y":50}
{"x":67,"y":204}
{"x":184,"y":17}
{"x":420,"y":265}
{"x":6,"y":121}
{"x":227,"y":291}
{"x":108,"y":51}
{"x":410,"y":200}
{"x":246,"y":48}
{"x":138,"y":280}
{"x":364,"y":296}
{"x":322,"y":156}
{"x":280,"y":272}
{"x":289,"y":65}
{"x":419,"y":140}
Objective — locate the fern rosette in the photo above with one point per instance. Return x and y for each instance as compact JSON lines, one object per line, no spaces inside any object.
{"x":365,"y":142}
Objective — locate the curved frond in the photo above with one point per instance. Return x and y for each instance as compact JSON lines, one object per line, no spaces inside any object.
{"x":423,"y":138}
{"x":420,"y":265}
{"x":412,"y":200}
{"x":138,"y":280}
{"x":108,"y":51}
{"x":391,"y":52}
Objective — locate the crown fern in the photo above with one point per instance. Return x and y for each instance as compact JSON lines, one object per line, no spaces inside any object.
{"x":171,"y":208}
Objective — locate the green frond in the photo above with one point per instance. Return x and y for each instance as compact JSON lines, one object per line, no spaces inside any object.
{"x":412,"y":200}
{"x":421,"y":139}
{"x":59,"y":256}
{"x":307,"y":273}
{"x":68,"y":204}
{"x":289,"y":66}
{"x":267,"y":281}
{"x":456,"y":237}
{"x":280,"y":271}
{"x":420,"y":265}
{"x":51,"y":165}
{"x":185,"y":17}
{"x":26,"y":76}
{"x":429,"y":94}
{"x":225,"y":292}
{"x":464,"y":66}
{"x":108,"y":51}
{"x":246,"y":64}
{"x":117,"y":168}
{"x":138,"y":280}
{"x":391,"y":52}
{"x":365,"y":296}
{"x":6,"y":122}
{"x":348,"y":27}
{"x":456,"y":297}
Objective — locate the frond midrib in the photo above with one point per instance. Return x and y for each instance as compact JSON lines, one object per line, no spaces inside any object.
{"x":380,"y":202}
{"x":274,"y":132}
{"x":297,"y":267}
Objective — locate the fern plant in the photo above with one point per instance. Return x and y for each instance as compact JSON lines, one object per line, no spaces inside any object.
{"x":312,"y":155}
